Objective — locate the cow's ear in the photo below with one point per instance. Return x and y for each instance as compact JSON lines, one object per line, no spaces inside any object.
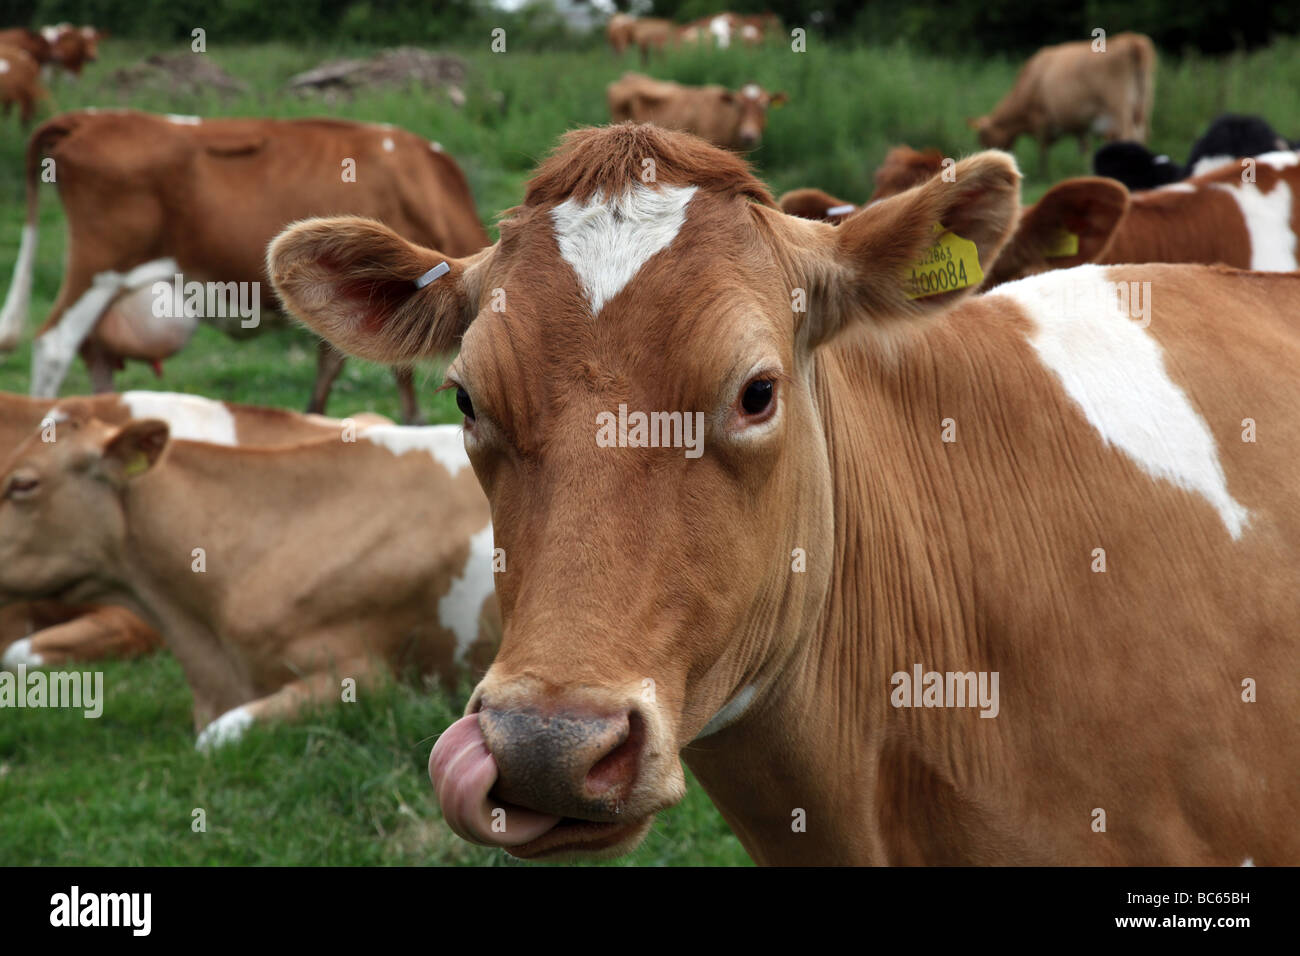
{"x":779,"y":100}
{"x":916,"y":253}
{"x":135,"y":448}
{"x":1072,"y":224}
{"x":372,"y":293}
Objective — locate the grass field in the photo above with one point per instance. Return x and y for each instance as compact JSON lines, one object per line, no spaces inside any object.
{"x":349,"y":786}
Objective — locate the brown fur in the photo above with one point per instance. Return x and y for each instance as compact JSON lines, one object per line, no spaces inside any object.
{"x":20,"y":83}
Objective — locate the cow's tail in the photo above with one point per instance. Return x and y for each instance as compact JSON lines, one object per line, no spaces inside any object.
{"x":13,"y":317}
{"x":1144,"y":85}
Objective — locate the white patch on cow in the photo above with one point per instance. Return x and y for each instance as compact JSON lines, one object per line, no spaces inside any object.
{"x":1280,"y":159}
{"x":749,"y":31}
{"x":751,"y":91}
{"x":1208,"y":164}
{"x":731,"y":711}
{"x":53,"y":352}
{"x":444,"y":443}
{"x":13,"y":319}
{"x":226,"y":729}
{"x":20,"y":652}
{"x":1115,"y":372}
{"x":180,"y":120}
{"x":1268,"y":222}
{"x":720,"y":27}
{"x":4,"y":65}
{"x":50,"y":33}
{"x":190,"y":417}
{"x":1177,"y":188}
{"x":436,"y":147}
{"x":389,"y":146}
{"x":608,"y":241}
{"x":459,"y":608}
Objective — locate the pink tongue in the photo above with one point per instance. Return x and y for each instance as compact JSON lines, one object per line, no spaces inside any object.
{"x":463,"y":772}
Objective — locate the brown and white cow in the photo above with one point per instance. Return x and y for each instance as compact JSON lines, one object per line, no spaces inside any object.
{"x":272,"y":573}
{"x":31,"y":42}
{"x":1243,"y":214}
{"x":72,"y":47}
{"x":20,"y":83}
{"x":149,"y":198}
{"x":1077,"y":89}
{"x":732,"y":119}
{"x":48,"y":633}
{"x":1028,"y":493}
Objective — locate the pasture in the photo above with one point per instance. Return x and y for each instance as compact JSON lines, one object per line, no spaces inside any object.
{"x":349,"y":786}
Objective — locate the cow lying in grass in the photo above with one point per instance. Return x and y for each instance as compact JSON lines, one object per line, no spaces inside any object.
{"x":49,"y":633}
{"x":272,"y":573}
{"x":1242,"y":214}
{"x":900,"y":501}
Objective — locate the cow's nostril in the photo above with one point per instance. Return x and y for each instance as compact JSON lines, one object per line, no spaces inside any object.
{"x":618,"y":768}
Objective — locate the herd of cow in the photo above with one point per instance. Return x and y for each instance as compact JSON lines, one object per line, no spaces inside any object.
{"x":1052,"y":446}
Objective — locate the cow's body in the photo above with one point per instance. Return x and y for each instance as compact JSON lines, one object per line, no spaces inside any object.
{"x":1031,"y":484}
{"x":620,"y":31}
{"x":20,"y":82}
{"x":50,"y":632}
{"x":1229,"y":137}
{"x":31,"y":42}
{"x":726,"y":118}
{"x":1073,"y":90}
{"x":290,"y":600}
{"x":148,"y":197}
{"x":1242,"y":214}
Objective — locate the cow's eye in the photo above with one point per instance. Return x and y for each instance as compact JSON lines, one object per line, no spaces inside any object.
{"x":464,"y":404}
{"x":756,"y":399}
{"x":21,"y":486}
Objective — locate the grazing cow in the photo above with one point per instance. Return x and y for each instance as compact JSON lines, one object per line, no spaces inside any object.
{"x":200,"y":199}
{"x":652,"y":34}
{"x":755,"y":28}
{"x":1230,"y":137}
{"x":1069,"y":90}
{"x":1025,"y":506}
{"x":41,"y":633}
{"x":72,"y":47}
{"x":726,"y":118}
{"x":31,"y":42}
{"x":20,"y":83}
{"x":372,"y":577}
{"x":620,"y":31}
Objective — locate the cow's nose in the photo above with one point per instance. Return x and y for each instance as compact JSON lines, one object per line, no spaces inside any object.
{"x":748,"y":138}
{"x":567,"y":763}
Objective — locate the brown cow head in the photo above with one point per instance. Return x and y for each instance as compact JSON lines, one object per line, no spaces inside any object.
{"x":992,"y":134}
{"x":749,"y":106}
{"x":62,"y":522}
{"x":649,"y":599}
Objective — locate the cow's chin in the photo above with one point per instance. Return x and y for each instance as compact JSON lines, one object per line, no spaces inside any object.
{"x":575,"y":840}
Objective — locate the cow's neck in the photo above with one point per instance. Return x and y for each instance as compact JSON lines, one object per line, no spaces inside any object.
{"x":824,"y":738}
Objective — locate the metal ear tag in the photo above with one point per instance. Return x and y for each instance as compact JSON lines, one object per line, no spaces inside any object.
{"x":437,"y":272}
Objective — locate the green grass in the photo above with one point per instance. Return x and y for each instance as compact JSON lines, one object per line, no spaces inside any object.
{"x":349,"y":785}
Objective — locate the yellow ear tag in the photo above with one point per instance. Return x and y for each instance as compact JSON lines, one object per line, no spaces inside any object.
{"x":1064,"y":243}
{"x":950,"y":263}
{"x":138,"y":465}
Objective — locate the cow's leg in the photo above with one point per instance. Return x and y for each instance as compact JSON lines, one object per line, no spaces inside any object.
{"x":104,"y":632}
{"x":1044,"y":145}
{"x":101,"y":366}
{"x":323,"y":688}
{"x":406,"y":393}
{"x":329,"y":362}
{"x":80,"y":305}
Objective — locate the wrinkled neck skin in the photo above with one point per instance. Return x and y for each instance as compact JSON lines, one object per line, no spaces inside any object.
{"x":814,"y":739}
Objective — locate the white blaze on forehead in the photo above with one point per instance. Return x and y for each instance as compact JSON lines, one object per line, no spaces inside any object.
{"x":751,"y":91}
{"x":1268,"y":222}
{"x":388,"y":144}
{"x":443,"y":443}
{"x":607,"y":241}
{"x":190,"y":417}
{"x":436,"y":147}
{"x":459,"y":608}
{"x":4,"y":65}
{"x":1114,"y":370}
{"x":182,"y":120}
